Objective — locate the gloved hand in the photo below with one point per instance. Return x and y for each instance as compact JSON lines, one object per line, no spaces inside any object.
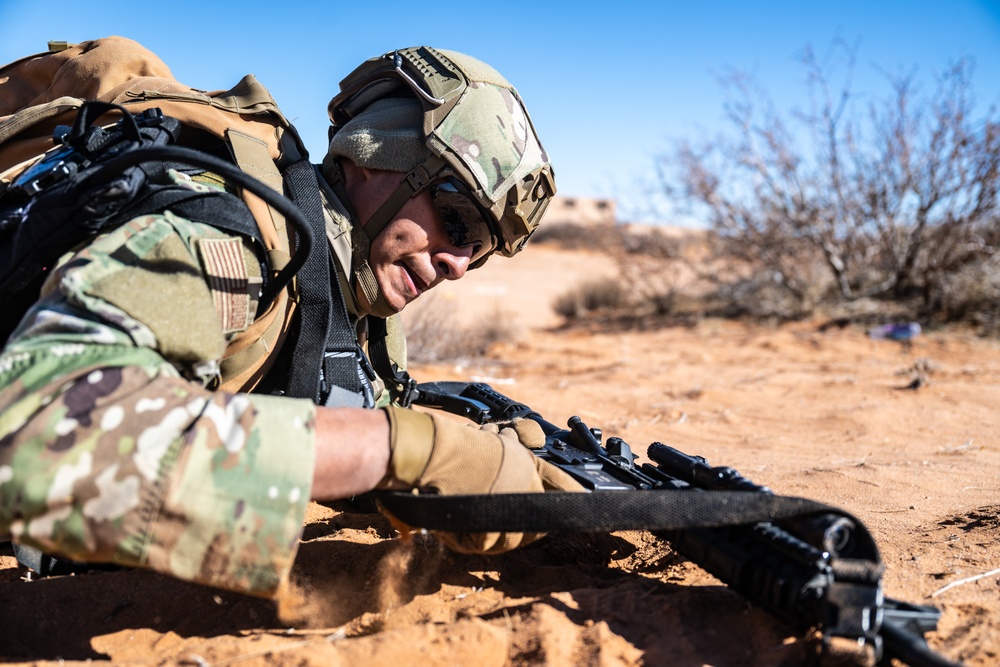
{"x":429,"y":451}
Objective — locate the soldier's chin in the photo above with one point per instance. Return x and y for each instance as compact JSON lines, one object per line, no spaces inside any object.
{"x":397,"y":301}
{"x":402,"y":305}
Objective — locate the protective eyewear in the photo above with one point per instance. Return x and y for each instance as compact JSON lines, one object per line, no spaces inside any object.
{"x":464,"y":219}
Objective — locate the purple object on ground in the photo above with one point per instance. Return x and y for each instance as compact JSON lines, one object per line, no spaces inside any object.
{"x":900,"y":332}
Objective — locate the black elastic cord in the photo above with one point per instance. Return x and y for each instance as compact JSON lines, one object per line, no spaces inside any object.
{"x":195,"y":158}
{"x":93,"y":110}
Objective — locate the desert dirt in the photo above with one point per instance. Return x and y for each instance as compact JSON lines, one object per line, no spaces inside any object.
{"x":821,"y":413}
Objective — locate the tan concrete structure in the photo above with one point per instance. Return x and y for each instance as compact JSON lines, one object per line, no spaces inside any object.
{"x":581,"y":211}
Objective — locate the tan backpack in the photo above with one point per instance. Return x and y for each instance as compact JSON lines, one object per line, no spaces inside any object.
{"x":39,"y":92}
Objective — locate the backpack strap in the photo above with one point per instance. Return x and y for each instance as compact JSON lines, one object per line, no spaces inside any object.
{"x":248,"y":357}
{"x":253,"y":157}
{"x":16,"y":123}
{"x":325,"y":354}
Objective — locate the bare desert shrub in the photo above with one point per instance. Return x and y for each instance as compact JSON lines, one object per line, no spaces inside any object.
{"x":658,"y":276}
{"x":653,"y":262}
{"x":651,"y":242}
{"x":758,"y":296}
{"x":841,"y":202}
{"x":972,"y":295}
{"x":670,"y":272}
{"x":594,"y":296}
{"x":434,"y":332}
{"x":567,"y":305}
{"x":888,"y":207}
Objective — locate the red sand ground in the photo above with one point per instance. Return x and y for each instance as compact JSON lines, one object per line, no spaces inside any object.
{"x":817,"y":414}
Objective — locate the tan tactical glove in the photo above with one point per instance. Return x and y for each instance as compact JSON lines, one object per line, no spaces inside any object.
{"x":428,"y":451}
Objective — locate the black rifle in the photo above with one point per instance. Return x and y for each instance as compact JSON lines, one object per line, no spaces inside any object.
{"x":810,"y":565}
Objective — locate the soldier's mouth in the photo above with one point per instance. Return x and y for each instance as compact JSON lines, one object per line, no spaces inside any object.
{"x":415,"y":283}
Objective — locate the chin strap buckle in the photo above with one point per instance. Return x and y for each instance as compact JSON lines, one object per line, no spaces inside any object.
{"x":418,"y":179}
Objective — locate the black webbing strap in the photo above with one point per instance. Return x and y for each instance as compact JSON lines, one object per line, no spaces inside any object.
{"x":399,"y":383}
{"x":324,"y":323}
{"x":597,"y":511}
{"x":402,"y":386}
{"x":220,"y":209}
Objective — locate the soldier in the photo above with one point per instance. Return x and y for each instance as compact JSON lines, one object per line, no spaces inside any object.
{"x":122,"y":439}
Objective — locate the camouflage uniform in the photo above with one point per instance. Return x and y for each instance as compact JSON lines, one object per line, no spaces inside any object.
{"x":115,"y":443}
{"x":113,"y":446}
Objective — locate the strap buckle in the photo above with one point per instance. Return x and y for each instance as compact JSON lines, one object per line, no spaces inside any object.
{"x":418,"y":178}
{"x":406,"y":388}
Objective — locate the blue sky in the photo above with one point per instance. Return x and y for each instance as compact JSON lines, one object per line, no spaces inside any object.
{"x":609,"y":85}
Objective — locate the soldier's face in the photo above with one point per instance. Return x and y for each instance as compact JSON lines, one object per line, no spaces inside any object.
{"x":413,"y":253}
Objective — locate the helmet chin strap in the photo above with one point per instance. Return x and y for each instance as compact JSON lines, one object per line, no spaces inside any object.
{"x":364,"y":277}
{"x":363,"y":234}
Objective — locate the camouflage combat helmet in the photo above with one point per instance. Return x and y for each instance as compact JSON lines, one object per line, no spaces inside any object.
{"x":476,"y":143}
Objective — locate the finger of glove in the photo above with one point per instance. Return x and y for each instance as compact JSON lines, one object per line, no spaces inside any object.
{"x":529,"y":432}
{"x":480,"y":461}
{"x":555,"y":479}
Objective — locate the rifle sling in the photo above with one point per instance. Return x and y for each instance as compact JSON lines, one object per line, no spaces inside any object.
{"x":597,"y":511}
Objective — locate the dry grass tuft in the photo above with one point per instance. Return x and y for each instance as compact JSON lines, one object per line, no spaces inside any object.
{"x":595,"y":296}
{"x":434,"y":332}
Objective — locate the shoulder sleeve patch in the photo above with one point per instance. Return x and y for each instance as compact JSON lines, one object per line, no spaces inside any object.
{"x":226,"y":272}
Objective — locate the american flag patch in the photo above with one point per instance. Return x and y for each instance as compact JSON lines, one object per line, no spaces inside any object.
{"x":226,"y":271}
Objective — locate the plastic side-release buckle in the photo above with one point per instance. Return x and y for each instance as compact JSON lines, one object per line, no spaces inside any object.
{"x":418,"y":178}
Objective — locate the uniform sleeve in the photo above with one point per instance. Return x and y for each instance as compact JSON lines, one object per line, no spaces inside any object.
{"x":111,"y":447}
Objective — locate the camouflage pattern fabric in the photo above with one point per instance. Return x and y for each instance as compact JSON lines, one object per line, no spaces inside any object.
{"x":475,"y":125}
{"x":498,"y":155}
{"x":113,"y":447}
